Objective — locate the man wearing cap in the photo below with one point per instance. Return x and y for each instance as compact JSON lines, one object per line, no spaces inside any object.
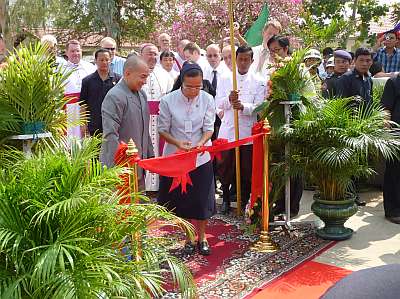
{"x":341,"y":64}
{"x":312,"y":60}
{"x":389,"y":55}
{"x":329,"y":67}
{"x":327,"y":53}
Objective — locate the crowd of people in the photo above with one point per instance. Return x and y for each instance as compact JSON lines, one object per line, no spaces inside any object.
{"x":169,"y":101}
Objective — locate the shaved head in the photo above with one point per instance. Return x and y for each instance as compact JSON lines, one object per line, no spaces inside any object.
{"x":136,"y":72}
{"x":133,"y":63}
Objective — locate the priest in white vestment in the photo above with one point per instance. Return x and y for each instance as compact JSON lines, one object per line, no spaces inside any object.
{"x":159,"y":83}
{"x":80,"y":69}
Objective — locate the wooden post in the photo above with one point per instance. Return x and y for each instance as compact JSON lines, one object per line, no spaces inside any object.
{"x":133,"y":183}
{"x":236,"y":112}
{"x":265,"y":244}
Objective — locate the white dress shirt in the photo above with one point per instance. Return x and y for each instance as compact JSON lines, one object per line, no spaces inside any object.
{"x":252,"y":92}
{"x":203,"y":63}
{"x":221,"y":69}
{"x":180,"y":60}
{"x":174,"y":74}
{"x":257,"y":54}
{"x":79,"y":71}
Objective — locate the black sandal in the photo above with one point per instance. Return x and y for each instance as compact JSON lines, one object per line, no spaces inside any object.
{"x":204,"y":248}
{"x":189,"y":248}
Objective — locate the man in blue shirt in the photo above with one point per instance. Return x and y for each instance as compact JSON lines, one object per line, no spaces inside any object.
{"x":389,"y":55}
{"x":117,"y":62}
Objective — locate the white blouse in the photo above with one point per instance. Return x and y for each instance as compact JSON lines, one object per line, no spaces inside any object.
{"x":187,"y":120}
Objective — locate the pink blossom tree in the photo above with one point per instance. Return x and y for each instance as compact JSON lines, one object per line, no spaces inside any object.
{"x":207,"y":21}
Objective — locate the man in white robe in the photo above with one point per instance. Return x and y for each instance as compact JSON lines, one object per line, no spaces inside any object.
{"x":157,"y":85}
{"x":251,"y":93}
{"x":80,"y":69}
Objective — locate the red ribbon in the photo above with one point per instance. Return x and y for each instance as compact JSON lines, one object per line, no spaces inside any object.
{"x":176,"y":166}
{"x":181,"y":181}
{"x":216,"y":142}
{"x":122,"y":159}
{"x":179,"y":165}
{"x":257,"y":164}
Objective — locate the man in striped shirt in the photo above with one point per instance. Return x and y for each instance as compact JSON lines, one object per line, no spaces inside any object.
{"x":389,"y":55}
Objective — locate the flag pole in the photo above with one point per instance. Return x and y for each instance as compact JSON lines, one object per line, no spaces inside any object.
{"x":235,"y":111}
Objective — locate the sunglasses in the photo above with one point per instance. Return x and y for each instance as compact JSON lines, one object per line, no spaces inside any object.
{"x":110,"y":49}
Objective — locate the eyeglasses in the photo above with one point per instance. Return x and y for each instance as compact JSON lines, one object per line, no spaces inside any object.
{"x":212,"y":55}
{"x":390,"y":37}
{"x":110,"y":49}
{"x":276,"y":50}
{"x":192,"y":87}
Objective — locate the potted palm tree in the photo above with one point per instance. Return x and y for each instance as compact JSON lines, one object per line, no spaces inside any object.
{"x":63,"y":234}
{"x":332,"y":145}
{"x":31,"y":93}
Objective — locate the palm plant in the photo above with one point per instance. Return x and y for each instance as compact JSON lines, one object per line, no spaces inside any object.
{"x":62,"y":233}
{"x":31,"y":93}
{"x":334,"y":143}
{"x":290,"y":82}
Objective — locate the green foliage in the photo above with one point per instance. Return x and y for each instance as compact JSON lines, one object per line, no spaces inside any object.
{"x":395,"y":17}
{"x":62,"y":231}
{"x":316,"y":36}
{"x":31,"y":90}
{"x":130,"y":21}
{"x":356,"y":13}
{"x":290,"y":82}
{"x":334,"y":143}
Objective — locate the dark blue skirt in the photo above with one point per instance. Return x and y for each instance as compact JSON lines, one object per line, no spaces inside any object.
{"x":199,"y":201}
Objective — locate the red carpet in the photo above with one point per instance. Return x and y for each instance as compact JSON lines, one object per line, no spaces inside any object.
{"x":232,"y":270}
{"x":309,"y":281}
{"x":226,"y":244}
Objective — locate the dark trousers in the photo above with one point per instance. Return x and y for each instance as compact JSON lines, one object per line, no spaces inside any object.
{"x":296,"y":192}
{"x":227,"y":170}
{"x":391,"y":189}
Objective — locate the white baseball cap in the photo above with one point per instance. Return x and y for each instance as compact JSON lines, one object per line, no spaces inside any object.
{"x":330,"y":62}
{"x":313,"y":53}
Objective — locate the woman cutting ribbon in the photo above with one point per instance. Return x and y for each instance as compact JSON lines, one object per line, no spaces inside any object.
{"x":186,"y":121}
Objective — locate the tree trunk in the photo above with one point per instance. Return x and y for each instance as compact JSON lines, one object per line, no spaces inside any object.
{"x":352,"y":24}
{"x":5,"y":24}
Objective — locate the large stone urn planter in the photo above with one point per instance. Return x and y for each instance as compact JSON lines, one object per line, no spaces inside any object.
{"x":334,"y":214}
